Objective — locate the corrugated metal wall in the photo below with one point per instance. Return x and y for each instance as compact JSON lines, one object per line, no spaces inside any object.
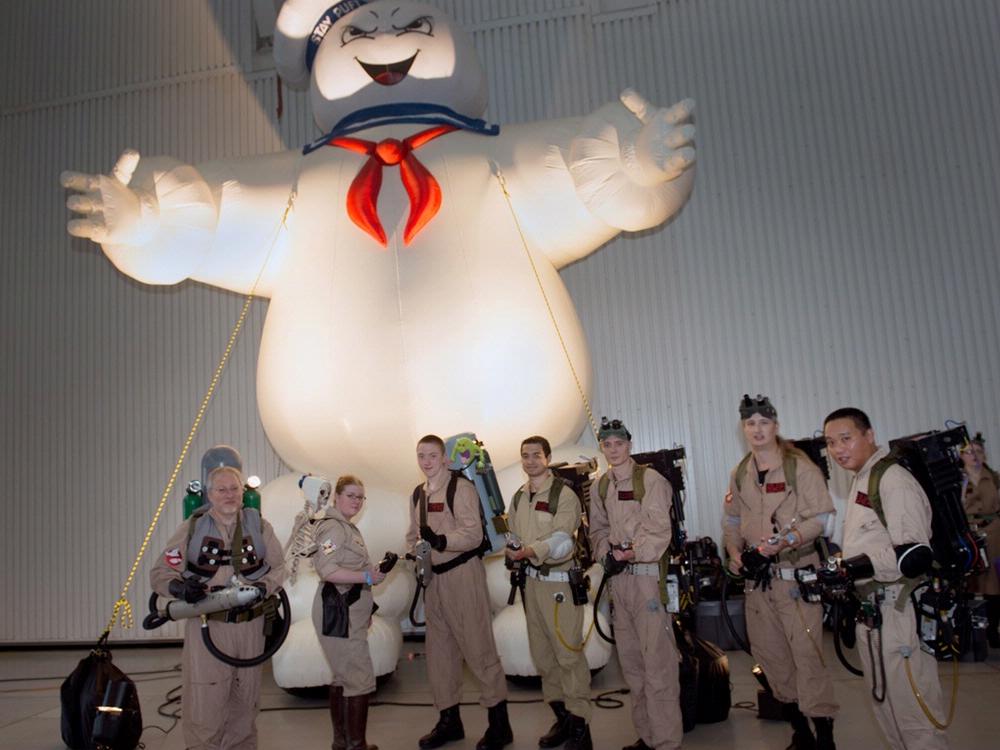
{"x":840,"y":246}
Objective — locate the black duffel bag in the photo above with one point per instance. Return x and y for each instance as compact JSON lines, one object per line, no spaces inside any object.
{"x":97,"y":682}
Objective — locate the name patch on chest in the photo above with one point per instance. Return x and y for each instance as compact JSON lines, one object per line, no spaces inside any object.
{"x":543,"y":506}
{"x":435,"y":507}
{"x":774,"y":487}
{"x":626,"y":495}
{"x":862,"y":499}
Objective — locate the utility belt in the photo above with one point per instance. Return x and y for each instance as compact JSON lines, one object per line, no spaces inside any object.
{"x":552,"y":576}
{"x":245,"y":614}
{"x":460,"y":559}
{"x":643,"y":569}
{"x":785,"y":574}
{"x":895,"y":592}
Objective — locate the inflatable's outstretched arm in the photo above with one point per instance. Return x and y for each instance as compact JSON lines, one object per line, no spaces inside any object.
{"x":626,"y":167}
{"x":160,"y":221}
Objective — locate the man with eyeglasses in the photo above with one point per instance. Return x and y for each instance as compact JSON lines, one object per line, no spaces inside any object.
{"x":219,"y":702}
{"x":630,"y":531}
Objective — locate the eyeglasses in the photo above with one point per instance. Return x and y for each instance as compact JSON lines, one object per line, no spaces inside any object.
{"x":352,"y":496}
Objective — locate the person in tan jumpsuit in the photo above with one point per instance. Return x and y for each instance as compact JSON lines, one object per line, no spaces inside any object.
{"x":785,"y":632}
{"x":341,"y":561}
{"x":638,"y":534}
{"x":219,"y":702}
{"x":850,"y":440}
{"x":456,"y":603}
{"x":982,"y":505}
{"x":545,"y":533}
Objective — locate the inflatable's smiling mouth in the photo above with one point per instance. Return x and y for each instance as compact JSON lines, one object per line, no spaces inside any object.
{"x":388,"y":74}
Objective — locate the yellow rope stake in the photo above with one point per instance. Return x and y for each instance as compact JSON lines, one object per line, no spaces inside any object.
{"x":123,"y":610}
{"x":562,"y":342}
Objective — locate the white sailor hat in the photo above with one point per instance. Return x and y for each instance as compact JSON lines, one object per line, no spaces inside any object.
{"x":301,"y":27}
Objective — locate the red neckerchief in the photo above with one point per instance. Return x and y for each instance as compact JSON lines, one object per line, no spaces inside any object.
{"x":420,"y":185}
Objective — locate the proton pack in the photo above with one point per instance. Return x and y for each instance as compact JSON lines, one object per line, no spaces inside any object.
{"x":932,"y":458}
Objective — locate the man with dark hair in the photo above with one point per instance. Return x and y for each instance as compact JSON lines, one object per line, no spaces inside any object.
{"x":543,"y":518}
{"x":446,"y":514}
{"x":887,"y":531}
{"x":630,"y":529}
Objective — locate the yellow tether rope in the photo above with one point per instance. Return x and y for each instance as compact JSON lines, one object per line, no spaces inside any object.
{"x":562,"y":342}
{"x":123,"y":609}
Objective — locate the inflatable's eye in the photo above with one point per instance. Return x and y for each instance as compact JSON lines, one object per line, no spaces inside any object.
{"x":351,"y":33}
{"x":421,"y":25}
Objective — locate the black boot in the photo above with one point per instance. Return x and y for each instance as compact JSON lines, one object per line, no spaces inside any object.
{"x":824,"y":733}
{"x":338,"y":718}
{"x":802,"y":736}
{"x":639,"y":744}
{"x":357,"y":723}
{"x":579,"y":734}
{"x":557,"y":733}
{"x":498,"y":733}
{"x":993,"y":618}
{"x":448,"y":729}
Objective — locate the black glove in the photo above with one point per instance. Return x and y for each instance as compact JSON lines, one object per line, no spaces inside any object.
{"x":757,"y":567}
{"x":612,"y":566}
{"x":190,"y":590}
{"x":437,"y":541}
{"x":388,"y":562}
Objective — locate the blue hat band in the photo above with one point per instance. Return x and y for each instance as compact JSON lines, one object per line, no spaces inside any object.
{"x":333,"y":14}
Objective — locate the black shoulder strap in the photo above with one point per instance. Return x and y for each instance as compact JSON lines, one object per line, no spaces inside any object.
{"x":449,"y":494}
{"x":420,"y":498}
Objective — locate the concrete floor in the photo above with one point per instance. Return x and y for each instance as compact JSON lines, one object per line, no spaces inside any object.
{"x":29,"y":707}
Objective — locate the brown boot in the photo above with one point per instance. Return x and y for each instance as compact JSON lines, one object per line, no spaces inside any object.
{"x":357,"y":723}
{"x":338,"y":718}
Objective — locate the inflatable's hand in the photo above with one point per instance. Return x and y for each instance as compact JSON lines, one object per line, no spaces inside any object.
{"x":661,"y":147}
{"x":633,"y":164}
{"x":113,"y":212}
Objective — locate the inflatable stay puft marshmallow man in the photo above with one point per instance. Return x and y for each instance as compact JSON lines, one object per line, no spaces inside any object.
{"x":410,"y":254}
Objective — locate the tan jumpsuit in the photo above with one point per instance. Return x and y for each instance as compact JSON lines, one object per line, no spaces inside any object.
{"x":982,"y":504}
{"x":786,"y":633}
{"x":456,"y":603}
{"x":339,"y":546}
{"x":908,"y":517}
{"x":219,"y":703}
{"x":564,"y":672}
{"x":644,"y":631}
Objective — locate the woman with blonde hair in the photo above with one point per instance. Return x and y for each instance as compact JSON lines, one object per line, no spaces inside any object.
{"x":342,"y":612}
{"x":777,"y":505}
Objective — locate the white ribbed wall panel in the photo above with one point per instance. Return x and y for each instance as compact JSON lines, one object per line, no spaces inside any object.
{"x":840,"y":246}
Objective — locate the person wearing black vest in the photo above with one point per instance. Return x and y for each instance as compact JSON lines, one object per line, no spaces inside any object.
{"x":219,"y":702}
{"x":776,"y":507}
{"x":445,"y":513}
{"x":544,"y":516}
{"x":630,"y":530}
